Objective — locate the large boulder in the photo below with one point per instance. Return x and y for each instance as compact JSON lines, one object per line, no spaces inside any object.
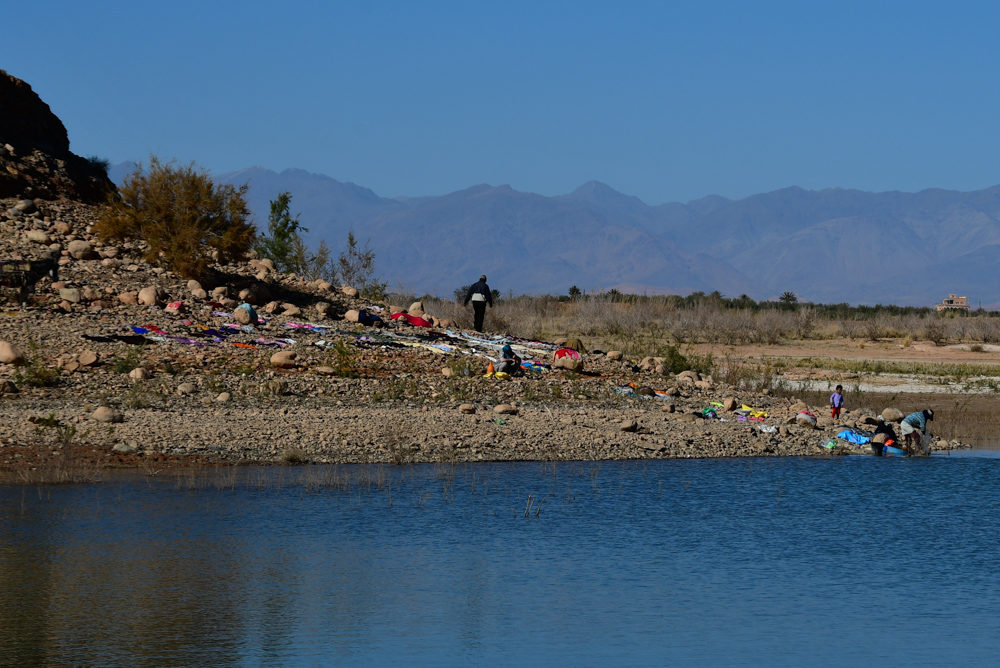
{"x":80,"y":250}
{"x":892,"y":415}
{"x":416,"y":308}
{"x":568,"y":363}
{"x":9,"y":354}
{"x":107,"y":414}
{"x":38,"y":236}
{"x":149,"y":296}
{"x":72,"y":295}
{"x":284,"y":359}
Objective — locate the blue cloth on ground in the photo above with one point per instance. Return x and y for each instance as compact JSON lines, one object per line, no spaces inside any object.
{"x":851,"y":437}
{"x":368,"y":319}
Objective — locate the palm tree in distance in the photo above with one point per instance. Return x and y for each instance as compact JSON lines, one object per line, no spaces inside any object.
{"x":789,"y":298}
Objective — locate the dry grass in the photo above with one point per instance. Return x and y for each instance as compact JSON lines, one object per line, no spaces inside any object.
{"x":639,"y":326}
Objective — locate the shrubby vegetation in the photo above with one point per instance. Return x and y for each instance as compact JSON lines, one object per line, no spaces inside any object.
{"x":356,"y":267}
{"x":185,"y":220}
{"x":647,"y":325}
{"x":283,"y":245}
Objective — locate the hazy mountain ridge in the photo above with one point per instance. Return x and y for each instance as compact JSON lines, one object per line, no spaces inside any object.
{"x":827,"y":245}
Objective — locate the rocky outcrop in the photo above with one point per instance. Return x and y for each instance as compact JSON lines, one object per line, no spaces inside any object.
{"x":35,"y":160}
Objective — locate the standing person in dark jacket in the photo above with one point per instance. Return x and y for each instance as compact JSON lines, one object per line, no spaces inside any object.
{"x":480,"y":295}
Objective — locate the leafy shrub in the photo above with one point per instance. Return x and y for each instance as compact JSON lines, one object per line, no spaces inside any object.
{"x":184,"y":218}
{"x":356,"y":267}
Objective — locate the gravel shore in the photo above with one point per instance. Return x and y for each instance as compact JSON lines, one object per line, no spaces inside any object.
{"x":187,"y":389}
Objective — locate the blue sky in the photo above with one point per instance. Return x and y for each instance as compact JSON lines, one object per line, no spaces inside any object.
{"x":665,"y":101}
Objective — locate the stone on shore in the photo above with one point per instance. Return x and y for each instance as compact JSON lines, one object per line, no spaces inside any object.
{"x":186,"y":389}
{"x":614,"y":355}
{"x":729,"y":404}
{"x":87,"y":358}
{"x":629,"y":426}
{"x":138,"y":374}
{"x":468,"y":409}
{"x":892,"y":415}
{"x":223,"y":397}
{"x":80,"y":250}
{"x":352,"y":316}
{"x":148,"y":296}
{"x":72,"y":295}
{"x":38,"y":236}
{"x":284,"y":359}
{"x":107,"y":414}
{"x":9,"y":354}
{"x":349,"y":291}
{"x":505,"y":409}
{"x":130,"y":298}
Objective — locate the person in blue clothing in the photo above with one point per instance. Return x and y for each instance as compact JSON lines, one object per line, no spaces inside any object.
{"x":509,"y":362}
{"x":480,"y":295}
{"x":914,"y":426}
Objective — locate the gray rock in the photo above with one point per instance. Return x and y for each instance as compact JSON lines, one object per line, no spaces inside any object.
{"x":72,"y":295}
{"x":468,"y":409}
{"x":284,"y":359}
{"x":123,"y":448}
{"x":149,"y":296}
{"x":10,"y":354}
{"x":80,"y":250}
{"x":629,"y":426}
{"x":38,"y":237}
{"x":107,"y":414}
{"x":276,"y":386}
{"x":26,"y":206}
{"x":223,"y":397}
{"x":892,"y":415}
{"x":186,"y":388}
{"x":505,"y":409}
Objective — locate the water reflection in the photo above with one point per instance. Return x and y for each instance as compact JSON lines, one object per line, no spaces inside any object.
{"x":742,"y":562}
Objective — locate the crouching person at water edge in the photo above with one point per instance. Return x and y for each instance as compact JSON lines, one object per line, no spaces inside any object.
{"x":914,"y":428}
{"x":480,"y":295}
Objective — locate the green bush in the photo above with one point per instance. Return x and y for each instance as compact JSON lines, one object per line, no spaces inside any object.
{"x":184,"y":218}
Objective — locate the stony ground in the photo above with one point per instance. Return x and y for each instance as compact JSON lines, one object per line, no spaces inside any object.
{"x":77,"y":393}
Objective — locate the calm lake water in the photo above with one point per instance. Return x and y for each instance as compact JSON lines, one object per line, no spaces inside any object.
{"x":847,"y":561}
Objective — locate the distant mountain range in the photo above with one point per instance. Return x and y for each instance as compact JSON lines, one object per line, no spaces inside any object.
{"x":830,"y":245}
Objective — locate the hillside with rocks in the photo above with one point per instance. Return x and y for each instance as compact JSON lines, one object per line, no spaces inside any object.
{"x":830,"y":245}
{"x":35,"y":160}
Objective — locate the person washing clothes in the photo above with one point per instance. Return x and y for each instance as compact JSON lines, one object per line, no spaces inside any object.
{"x":480,"y":295}
{"x":836,"y":402}
{"x":914,"y":426}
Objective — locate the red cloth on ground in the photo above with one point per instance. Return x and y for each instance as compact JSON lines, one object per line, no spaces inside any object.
{"x":412,"y":319}
{"x":566,"y":352}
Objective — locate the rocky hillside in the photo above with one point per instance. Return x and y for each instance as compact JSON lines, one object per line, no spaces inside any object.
{"x":35,"y":160}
